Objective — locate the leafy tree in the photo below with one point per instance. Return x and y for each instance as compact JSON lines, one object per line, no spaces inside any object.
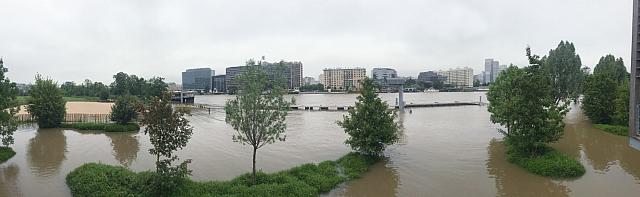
{"x":155,"y":87}
{"x":370,"y":124}
{"x":599,"y":93}
{"x":522,"y":100}
{"x":47,"y":104}
{"x":8,"y":109}
{"x":123,"y":111}
{"x":621,"y":104}
{"x":120,"y":84}
{"x":613,"y":67}
{"x":476,"y":83}
{"x":563,"y":68}
{"x":258,"y":111}
{"x":168,"y":131}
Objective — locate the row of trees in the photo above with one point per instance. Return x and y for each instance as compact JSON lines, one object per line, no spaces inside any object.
{"x":123,"y":84}
{"x":606,"y":92}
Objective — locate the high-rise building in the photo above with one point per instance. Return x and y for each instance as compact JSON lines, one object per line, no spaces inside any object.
{"x":344,"y":79}
{"x":634,"y":112}
{"x":198,"y":79}
{"x":491,"y":69}
{"x":292,"y":71}
{"x":459,"y":77}
{"x":383,"y":73}
{"x":219,"y":83}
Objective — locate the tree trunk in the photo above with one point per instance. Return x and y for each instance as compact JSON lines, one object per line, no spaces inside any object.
{"x":157,"y":162}
{"x":253,"y":178}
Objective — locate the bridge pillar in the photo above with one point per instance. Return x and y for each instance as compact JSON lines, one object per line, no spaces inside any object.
{"x":400,"y":98}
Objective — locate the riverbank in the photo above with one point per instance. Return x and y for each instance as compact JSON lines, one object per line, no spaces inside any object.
{"x":613,"y":129}
{"x":550,"y":163}
{"x":6,"y":153}
{"x":305,"y":180}
{"x":107,"y":127}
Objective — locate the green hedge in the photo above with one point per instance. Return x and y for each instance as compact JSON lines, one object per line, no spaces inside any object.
{"x":6,"y":153}
{"x":108,"y":127}
{"x":550,"y":164}
{"x":615,"y":129}
{"x":306,"y":180}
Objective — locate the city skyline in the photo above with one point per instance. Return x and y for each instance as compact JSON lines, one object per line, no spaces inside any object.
{"x":76,"y":40}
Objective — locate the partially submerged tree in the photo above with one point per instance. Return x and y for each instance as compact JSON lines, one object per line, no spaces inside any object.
{"x":168,"y":131}
{"x":599,"y":94}
{"x":258,"y":111}
{"x":47,"y":103}
{"x":522,"y":100}
{"x":8,"y":108}
{"x":123,"y":111}
{"x":370,"y":124}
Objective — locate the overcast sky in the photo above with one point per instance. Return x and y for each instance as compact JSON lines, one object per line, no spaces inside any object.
{"x":73,"y":40}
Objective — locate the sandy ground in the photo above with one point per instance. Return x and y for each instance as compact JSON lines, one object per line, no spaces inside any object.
{"x":82,"y":108}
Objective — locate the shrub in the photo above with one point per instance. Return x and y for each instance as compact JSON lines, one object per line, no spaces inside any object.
{"x":47,"y":105}
{"x":108,"y":127}
{"x":614,"y":129}
{"x":123,"y":111}
{"x":121,"y":127}
{"x":550,"y":163}
{"x":94,"y":179}
{"x":6,"y":153}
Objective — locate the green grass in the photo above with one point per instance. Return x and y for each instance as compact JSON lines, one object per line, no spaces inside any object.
{"x":6,"y":153}
{"x":23,"y":100}
{"x":94,"y":179}
{"x":550,"y":164}
{"x":614,"y":129}
{"x":108,"y":127}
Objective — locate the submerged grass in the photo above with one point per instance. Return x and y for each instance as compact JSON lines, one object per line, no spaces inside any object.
{"x":550,"y":164}
{"x":614,"y":129}
{"x":94,"y":179}
{"x":6,"y":153}
{"x":108,"y":127}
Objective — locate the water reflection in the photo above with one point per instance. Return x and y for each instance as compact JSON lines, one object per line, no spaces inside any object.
{"x":125,"y":147}
{"x":380,"y":180}
{"x":512,"y":180}
{"x":47,"y":151}
{"x":9,"y":180}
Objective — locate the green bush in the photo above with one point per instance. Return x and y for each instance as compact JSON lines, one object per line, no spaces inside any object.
{"x":124,"y":110}
{"x":108,"y":127}
{"x":306,"y":180}
{"x":615,"y":129}
{"x":6,"y":153}
{"x":550,"y":164}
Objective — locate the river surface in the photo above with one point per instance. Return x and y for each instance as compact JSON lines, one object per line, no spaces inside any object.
{"x":446,"y":151}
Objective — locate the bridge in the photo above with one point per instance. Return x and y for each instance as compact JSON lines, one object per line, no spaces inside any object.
{"x":412,"y":105}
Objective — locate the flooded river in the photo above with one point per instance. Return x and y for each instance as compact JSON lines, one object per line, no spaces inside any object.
{"x":448,"y":151}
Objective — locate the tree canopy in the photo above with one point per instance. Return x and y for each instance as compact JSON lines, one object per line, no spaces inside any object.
{"x":47,"y":103}
{"x":8,"y":109}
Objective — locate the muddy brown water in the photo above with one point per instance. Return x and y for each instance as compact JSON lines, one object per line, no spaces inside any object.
{"x":449,"y":151}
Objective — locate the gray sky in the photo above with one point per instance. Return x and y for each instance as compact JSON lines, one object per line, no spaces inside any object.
{"x":73,"y":40}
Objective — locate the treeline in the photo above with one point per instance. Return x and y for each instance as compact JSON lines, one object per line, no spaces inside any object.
{"x":606,"y":93}
{"x":123,"y":84}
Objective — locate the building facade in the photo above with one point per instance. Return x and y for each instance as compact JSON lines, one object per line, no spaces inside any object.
{"x":219,"y":83}
{"x":292,"y":71}
{"x":459,"y":77}
{"x":309,"y":81}
{"x":383,"y":73}
{"x":634,"y":104}
{"x":431,"y":76}
{"x":338,"y":79}
{"x":198,"y":79}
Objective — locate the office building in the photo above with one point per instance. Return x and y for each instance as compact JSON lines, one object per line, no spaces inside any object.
{"x":634,"y":111}
{"x":458,"y":78}
{"x":430,"y":77}
{"x":198,"y":79}
{"x":292,"y":71}
{"x":219,"y":83}
{"x":338,"y":79}
{"x":383,"y":73}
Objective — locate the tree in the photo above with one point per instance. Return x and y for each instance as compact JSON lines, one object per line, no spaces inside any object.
{"x":120,"y":84}
{"x":522,"y":100}
{"x":621,"y":104}
{"x":613,"y":67}
{"x":563,"y":66}
{"x":155,"y":87}
{"x":168,"y":131}
{"x":370,"y":124}
{"x":47,"y":104}
{"x":8,"y":109}
{"x":123,"y":111}
{"x":258,"y":111}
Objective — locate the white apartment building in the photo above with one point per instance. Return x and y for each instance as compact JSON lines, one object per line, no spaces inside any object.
{"x":459,"y":77}
{"x":339,"y":79}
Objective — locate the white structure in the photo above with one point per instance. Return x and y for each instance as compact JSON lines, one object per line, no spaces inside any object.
{"x":383,"y":73}
{"x":459,"y":77}
{"x":338,"y":79}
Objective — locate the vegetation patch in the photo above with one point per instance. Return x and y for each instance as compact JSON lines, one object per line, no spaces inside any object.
{"x":6,"y":153}
{"x":94,"y":179}
{"x":550,"y":163}
{"x":615,"y":129}
{"x":108,"y":127}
